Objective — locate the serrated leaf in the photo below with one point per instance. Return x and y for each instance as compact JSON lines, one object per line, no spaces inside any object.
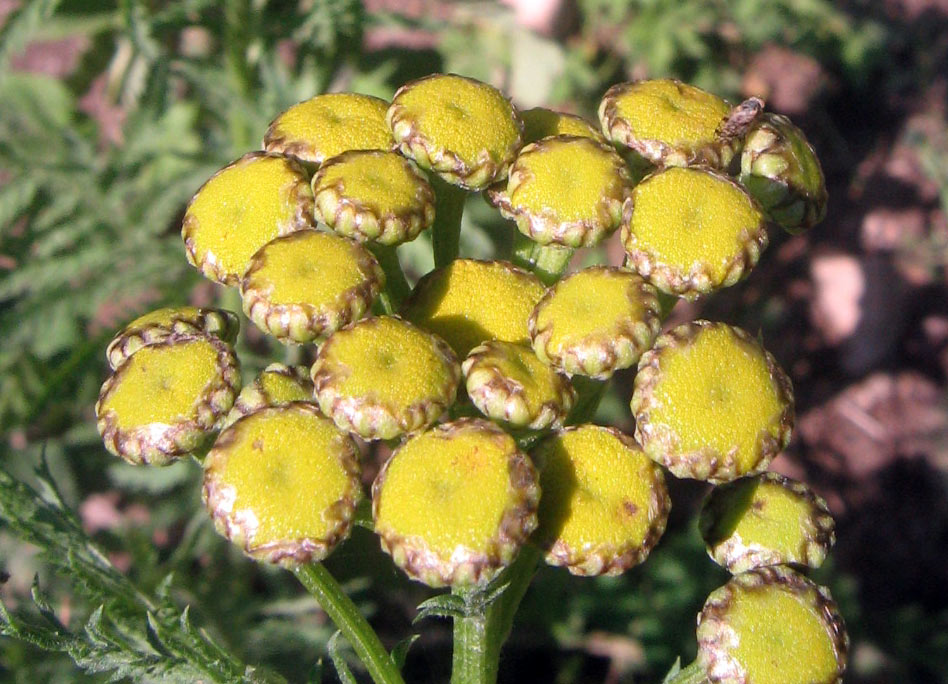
{"x":443,"y":605}
{"x":673,"y":671}
{"x":338,"y":660}
{"x":400,"y":652}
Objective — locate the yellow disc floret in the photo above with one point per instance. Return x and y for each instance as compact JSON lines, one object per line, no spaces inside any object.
{"x":565,"y":190}
{"x":541,"y":123}
{"x":604,"y":503}
{"x":469,"y":302}
{"x":282,"y":483}
{"x":240,"y":209}
{"x":163,"y":401}
{"x":666,"y":121}
{"x":378,"y":196}
{"x":691,"y":231}
{"x":771,"y":625}
{"x":277,"y":385}
{"x":302,"y":287}
{"x":330,"y":124}
{"x":710,"y":403}
{"x":383,"y":377}
{"x":595,"y":322}
{"x":454,"y":504}
{"x":465,"y":130}
{"x":766,"y":520}
{"x":506,"y":381}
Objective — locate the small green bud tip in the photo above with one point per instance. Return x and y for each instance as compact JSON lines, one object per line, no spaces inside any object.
{"x":383,"y":377}
{"x":766,"y":520}
{"x":781,"y":170}
{"x":377,"y":196}
{"x":167,"y":399}
{"x":711,"y":404}
{"x":453,"y":505}
{"x":692,"y":231}
{"x":565,"y":190}
{"x":462,"y":129}
{"x":240,"y":209}
{"x":507,"y":382}
{"x":671,"y":123}
{"x":161,"y":324}
{"x":595,"y":322}
{"x":328,"y":125}
{"x":277,"y":385}
{"x":302,"y":287}
{"x":604,"y":504}
{"x":772,"y":626}
{"x":469,"y":302}
{"x":282,"y":483}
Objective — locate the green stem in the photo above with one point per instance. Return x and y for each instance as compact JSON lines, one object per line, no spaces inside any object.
{"x":446,"y":232}
{"x":693,"y":674}
{"x":471,"y":662}
{"x":396,"y":285}
{"x":548,"y":262}
{"x":500,"y":614}
{"x":347,"y":618}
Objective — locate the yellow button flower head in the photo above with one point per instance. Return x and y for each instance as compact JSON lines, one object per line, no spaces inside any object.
{"x":781,"y":170}
{"x":304,"y":286}
{"x":469,"y":302}
{"x":674,"y":124}
{"x":330,"y":124}
{"x":453,"y":505}
{"x":383,"y":377}
{"x":161,"y":324}
{"x":506,"y":381}
{"x":240,"y":209}
{"x":566,"y":190}
{"x":282,"y":483}
{"x":378,"y":196}
{"x":595,"y":322}
{"x":542,"y":123}
{"x":464,"y":130}
{"x":277,"y":385}
{"x":711,"y":404}
{"x":691,"y":231}
{"x":766,"y":520}
{"x":604,"y":504}
{"x":772,"y":626}
{"x":165,"y":400}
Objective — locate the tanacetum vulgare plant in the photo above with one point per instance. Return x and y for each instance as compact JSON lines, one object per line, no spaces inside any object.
{"x":484,"y":377}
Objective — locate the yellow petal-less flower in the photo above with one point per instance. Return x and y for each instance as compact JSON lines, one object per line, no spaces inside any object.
{"x":453,"y":505}
{"x":277,"y":385}
{"x":377,"y":196}
{"x":383,"y":377}
{"x":710,"y":403}
{"x":772,"y":626}
{"x":304,"y":286}
{"x":282,"y":483}
{"x":469,"y":302}
{"x":328,"y":125}
{"x":542,"y":123}
{"x":240,"y":209}
{"x":565,"y":190}
{"x":766,"y":520}
{"x":692,"y":231}
{"x":604,"y":504}
{"x":507,"y":382}
{"x":595,"y":322}
{"x":464,"y":130}
{"x":165,"y":401}
{"x":161,"y":324}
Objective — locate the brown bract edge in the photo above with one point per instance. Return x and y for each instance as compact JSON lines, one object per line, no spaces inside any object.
{"x":704,"y":464}
{"x":217,"y":322}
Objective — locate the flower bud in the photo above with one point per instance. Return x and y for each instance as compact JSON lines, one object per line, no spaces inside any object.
{"x":277,"y":385}
{"x":541,"y":123}
{"x":453,"y":505}
{"x":710,"y":403}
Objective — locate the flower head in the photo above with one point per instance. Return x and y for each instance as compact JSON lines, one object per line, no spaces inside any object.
{"x":542,"y":123}
{"x":277,"y":385}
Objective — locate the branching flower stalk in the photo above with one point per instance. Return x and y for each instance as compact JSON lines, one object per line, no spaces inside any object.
{"x":485,"y":376}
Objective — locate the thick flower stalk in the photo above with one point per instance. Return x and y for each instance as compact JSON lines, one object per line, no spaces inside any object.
{"x":422,"y":503}
{"x":766,"y":520}
{"x":710,"y":403}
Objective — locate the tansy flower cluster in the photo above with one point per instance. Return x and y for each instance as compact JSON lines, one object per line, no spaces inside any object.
{"x":483,"y":376}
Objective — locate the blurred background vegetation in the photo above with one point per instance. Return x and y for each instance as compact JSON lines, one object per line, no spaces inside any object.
{"x":113,"y":114}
